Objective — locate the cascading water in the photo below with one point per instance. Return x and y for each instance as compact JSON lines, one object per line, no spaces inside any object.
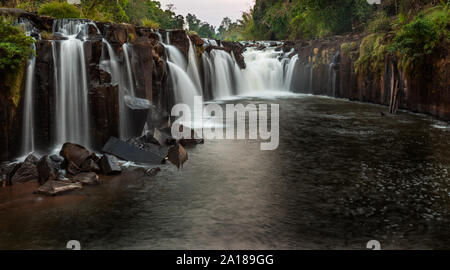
{"x":290,"y":73}
{"x":72,"y":112}
{"x":126,"y":54}
{"x":28,"y":102}
{"x":192,"y":68}
{"x":28,"y":114}
{"x":222,"y":81}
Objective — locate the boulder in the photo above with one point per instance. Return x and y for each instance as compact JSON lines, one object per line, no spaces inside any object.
{"x":89,"y":165}
{"x":90,"y":178}
{"x":57,"y":158}
{"x":23,"y":172}
{"x":74,"y":153}
{"x":72,"y":169}
{"x":109,"y":165}
{"x":47,"y":170}
{"x":54,"y":188}
{"x":129,"y":152}
{"x":32,"y":158}
{"x":177,"y":155}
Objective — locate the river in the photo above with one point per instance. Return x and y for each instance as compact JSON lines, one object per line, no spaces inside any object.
{"x":342,"y":175}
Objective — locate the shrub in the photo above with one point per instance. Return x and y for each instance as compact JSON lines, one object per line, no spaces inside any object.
{"x":381,"y":24}
{"x":419,"y":38}
{"x":15,"y":46}
{"x":149,"y":23}
{"x":59,"y":10}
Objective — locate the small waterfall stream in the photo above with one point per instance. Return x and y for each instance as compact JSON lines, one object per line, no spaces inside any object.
{"x":28,"y":108}
{"x":72,"y":112}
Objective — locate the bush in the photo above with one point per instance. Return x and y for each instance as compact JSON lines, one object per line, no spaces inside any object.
{"x":149,"y":23}
{"x":372,"y":54}
{"x":59,"y":10}
{"x":15,"y":46}
{"x":381,"y":24}
{"x":419,"y":38}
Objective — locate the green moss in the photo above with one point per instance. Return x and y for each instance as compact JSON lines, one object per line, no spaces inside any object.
{"x":372,"y":54}
{"x":149,"y":23}
{"x":348,"y":47}
{"x":13,"y":82}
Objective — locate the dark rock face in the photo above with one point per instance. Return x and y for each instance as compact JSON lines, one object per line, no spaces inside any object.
{"x":54,"y":188}
{"x":333,"y":74}
{"x":47,"y":170}
{"x":179,"y":39}
{"x":44,"y":99}
{"x":104,"y":103}
{"x":109,"y":165}
{"x":86,"y":178}
{"x":142,"y":65}
{"x":198,"y":41}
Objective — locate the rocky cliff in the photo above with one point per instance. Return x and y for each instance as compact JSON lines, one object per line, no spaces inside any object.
{"x":328,"y":67}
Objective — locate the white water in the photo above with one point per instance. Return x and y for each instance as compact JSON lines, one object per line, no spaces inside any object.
{"x":192,"y":68}
{"x":72,"y":112}
{"x":290,"y":73}
{"x":28,"y":108}
{"x":126,"y":54}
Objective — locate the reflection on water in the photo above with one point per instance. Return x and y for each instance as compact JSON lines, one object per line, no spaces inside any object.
{"x":342,"y":175}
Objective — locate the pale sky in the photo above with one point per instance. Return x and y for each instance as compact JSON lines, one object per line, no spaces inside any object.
{"x":211,"y":11}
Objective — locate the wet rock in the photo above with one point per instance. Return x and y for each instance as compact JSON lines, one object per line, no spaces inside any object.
{"x":162,"y":138}
{"x":177,"y":155}
{"x":57,"y":158}
{"x":152,"y":172}
{"x":54,"y":188}
{"x":72,"y":169}
{"x":129,"y":152}
{"x":110,"y":165}
{"x":198,"y":41}
{"x":138,"y":109}
{"x":23,"y":172}
{"x":179,"y":39}
{"x":89,"y":165}
{"x":90,"y":178}
{"x":47,"y":170}
{"x":32,"y":158}
{"x":74,"y":153}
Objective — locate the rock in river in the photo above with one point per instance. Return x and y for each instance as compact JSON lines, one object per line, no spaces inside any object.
{"x":177,"y":155}
{"x":90,"y":178}
{"x":24,"y":172}
{"x":47,"y":170}
{"x":54,"y":188}
{"x":109,"y":165}
{"x":74,"y":153}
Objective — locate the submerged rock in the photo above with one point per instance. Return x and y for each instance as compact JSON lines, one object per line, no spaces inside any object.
{"x":152,"y":172}
{"x":54,"y":188}
{"x":177,"y":155}
{"x":47,"y":170}
{"x":138,"y":110}
{"x":110,"y":165}
{"x":90,"y":178}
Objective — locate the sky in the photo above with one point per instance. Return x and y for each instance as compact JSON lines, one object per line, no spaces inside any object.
{"x":211,"y":11}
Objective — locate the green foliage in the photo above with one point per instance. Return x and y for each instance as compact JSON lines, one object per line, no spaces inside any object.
{"x":149,"y":23}
{"x":380,"y":24}
{"x":15,"y":46}
{"x":416,"y":40}
{"x":203,"y":29}
{"x":372,"y":54}
{"x":59,"y":10}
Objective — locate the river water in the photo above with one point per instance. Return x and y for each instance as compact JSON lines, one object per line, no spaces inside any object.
{"x":343,"y":175}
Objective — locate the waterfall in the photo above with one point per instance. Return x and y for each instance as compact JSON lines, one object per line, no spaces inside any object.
{"x":222,"y":82}
{"x":28,"y":108}
{"x":264,"y":71}
{"x":184,"y":88}
{"x":192,"y":68}
{"x":28,"y":126}
{"x":290,"y":73}
{"x":126,"y":54}
{"x":72,"y":112}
